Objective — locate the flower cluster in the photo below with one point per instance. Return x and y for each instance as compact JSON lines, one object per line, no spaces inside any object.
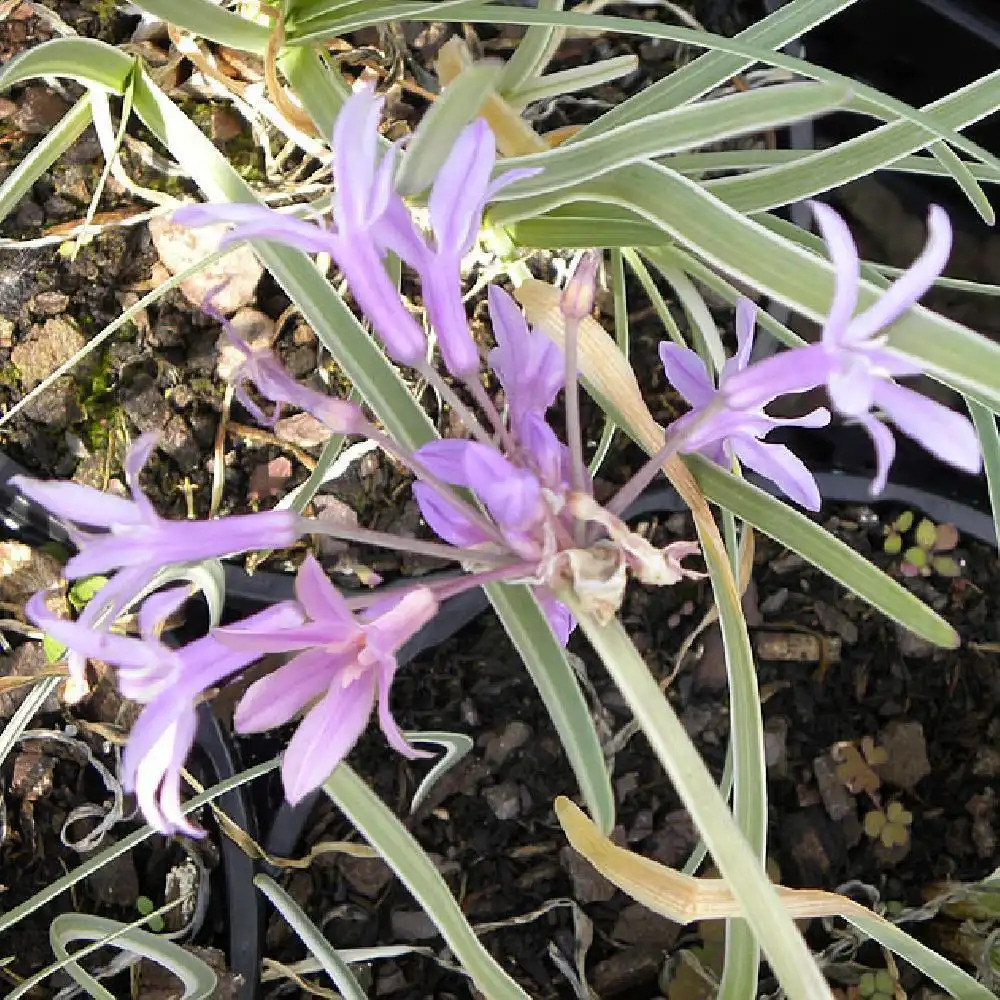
{"x":851,"y":361}
{"x":510,"y":502}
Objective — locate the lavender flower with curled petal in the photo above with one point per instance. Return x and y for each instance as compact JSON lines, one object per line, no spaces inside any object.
{"x":722,"y":431}
{"x":369,"y":218}
{"x":163,"y":734}
{"x":855,"y":364}
{"x":136,"y":536}
{"x":457,"y":200}
{"x":260,"y":367}
{"x":348,"y":663}
{"x":168,"y":681}
{"x":138,"y":543}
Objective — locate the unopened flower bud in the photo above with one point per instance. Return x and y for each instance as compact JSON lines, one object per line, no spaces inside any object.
{"x":578,"y":296}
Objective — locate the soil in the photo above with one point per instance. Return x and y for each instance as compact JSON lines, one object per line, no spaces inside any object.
{"x":858,"y":685}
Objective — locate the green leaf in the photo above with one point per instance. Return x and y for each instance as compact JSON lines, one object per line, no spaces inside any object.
{"x":54,"y":650}
{"x":437,"y":131}
{"x":893,"y":544}
{"x":812,"y":542}
{"x":743,"y":871}
{"x":904,"y":522}
{"x":926,"y":534}
{"x":857,"y":157}
{"x":83,"y":591}
{"x":916,"y":556}
{"x":209,"y":20}
{"x":568,"y":81}
{"x":309,"y":22}
{"x":668,"y":132}
{"x":311,"y":936}
{"x":198,"y":977}
{"x":51,"y":146}
{"x":380,"y":827}
{"x":777,"y":267}
{"x":86,"y":60}
{"x":989,"y":440}
{"x":716,"y":66}
{"x":532,"y":54}
{"x":867,"y":100}
{"x":747,"y":746}
{"x":456,"y":748}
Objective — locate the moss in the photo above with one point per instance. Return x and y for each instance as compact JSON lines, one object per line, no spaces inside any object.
{"x":97,"y":401}
{"x":9,"y":374}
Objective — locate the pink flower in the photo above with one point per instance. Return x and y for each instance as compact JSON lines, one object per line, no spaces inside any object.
{"x":347,"y":663}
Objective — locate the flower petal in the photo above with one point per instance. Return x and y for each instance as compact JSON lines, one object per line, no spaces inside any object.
{"x":158,"y":607}
{"x":394,"y":735}
{"x":282,"y":640}
{"x":782,"y":466}
{"x":326,"y":735}
{"x":355,"y":158}
{"x":401,"y":621}
{"x":459,"y":193}
{"x":852,"y":386}
{"x":316,"y":593}
{"x":558,"y":615}
{"x":548,"y":456}
{"x":80,"y":504}
{"x":847,"y":272}
{"x":445,"y":459}
{"x":278,"y":698}
{"x":511,"y":494}
{"x":446,"y":520}
{"x":687,"y":373}
{"x":907,"y":290}
{"x":746,"y":321}
{"x":885,"y":450}
{"x":107,"y":646}
{"x":946,"y":434}
{"x":441,"y":286}
{"x":256,"y":222}
{"x":791,"y":371}
{"x":531,"y":368}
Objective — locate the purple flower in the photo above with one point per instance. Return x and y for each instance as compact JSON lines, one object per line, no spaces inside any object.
{"x":456,"y":203}
{"x":168,"y":681}
{"x":369,"y":217}
{"x":137,"y":537}
{"x":261,"y":367}
{"x":162,"y":735}
{"x":138,"y":543}
{"x":721,"y":430}
{"x":857,"y":366}
{"x":529,"y":365}
{"x":348,"y":663}
{"x":145,"y":665}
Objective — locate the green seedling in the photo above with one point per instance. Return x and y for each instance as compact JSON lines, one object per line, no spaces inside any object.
{"x":894,"y":532}
{"x":927,"y":556}
{"x":145,"y":906}
{"x":891,"y":826}
{"x":877,"y":986}
{"x":930,"y":543}
{"x":856,"y":767}
{"x":80,"y":594}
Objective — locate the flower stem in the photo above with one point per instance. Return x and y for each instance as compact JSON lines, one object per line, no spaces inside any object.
{"x":673,"y":442}
{"x":386,"y":540}
{"x":449,"y":396}
{"x":574,"y":432}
